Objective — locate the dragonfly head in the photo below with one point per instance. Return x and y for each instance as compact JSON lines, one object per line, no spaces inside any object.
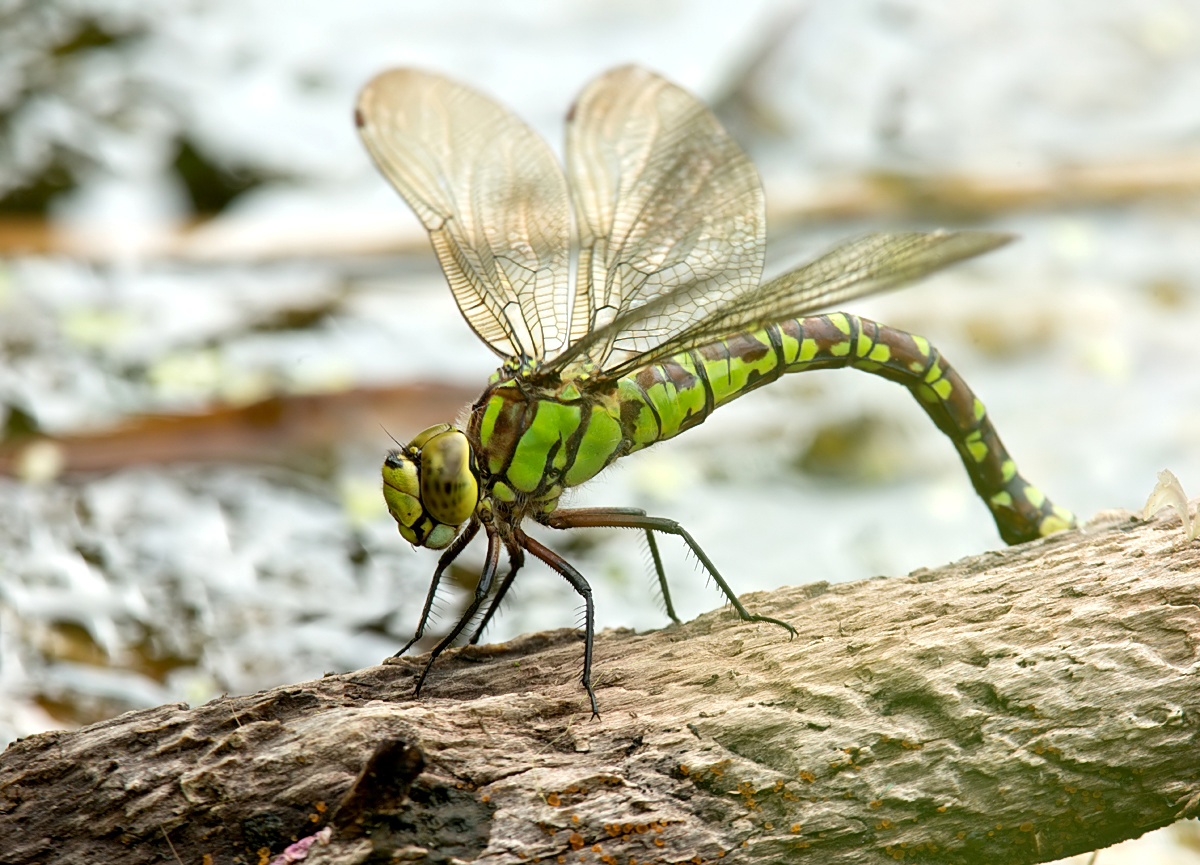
{"x":431,"y":486}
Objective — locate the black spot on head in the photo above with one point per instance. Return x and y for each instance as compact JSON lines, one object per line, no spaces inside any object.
{"x":393,"y":460}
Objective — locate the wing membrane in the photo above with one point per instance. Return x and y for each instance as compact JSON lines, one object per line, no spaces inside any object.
{"x":857,"y":267}
{"x":492,"y":197}
{"x":670,"y":212}
{"x":670,"y":217}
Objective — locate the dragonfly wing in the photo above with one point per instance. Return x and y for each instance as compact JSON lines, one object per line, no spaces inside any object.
{"x":492,"y":197}
{"x":861,"y":266}
{"x":670,"y":212}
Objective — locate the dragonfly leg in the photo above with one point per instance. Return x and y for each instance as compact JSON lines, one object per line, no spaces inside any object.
{"x":580,"y":585}
{"x":662,"y":575}
{"x":481,"y":592}
{"x":634,"y":518}
{"x":516,"y":559}
{"x":452,"y":552}
{"x":659,"y":571}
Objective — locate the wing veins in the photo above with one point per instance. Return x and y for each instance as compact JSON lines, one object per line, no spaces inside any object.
{"x":492,"y":196}
{"x":843,"y":273}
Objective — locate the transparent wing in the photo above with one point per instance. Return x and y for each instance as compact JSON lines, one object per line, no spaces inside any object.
{"x":492,"y":196}
{"x":864,"y":265}
{"x":670,"y":212}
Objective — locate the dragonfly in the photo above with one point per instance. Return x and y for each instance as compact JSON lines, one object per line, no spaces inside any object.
{"x":624,"y":297}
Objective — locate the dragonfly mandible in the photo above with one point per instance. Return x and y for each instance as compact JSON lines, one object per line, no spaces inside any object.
{"x":662,"y":318}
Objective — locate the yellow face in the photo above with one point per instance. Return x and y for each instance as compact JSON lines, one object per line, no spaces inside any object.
{"x":431,"y":487}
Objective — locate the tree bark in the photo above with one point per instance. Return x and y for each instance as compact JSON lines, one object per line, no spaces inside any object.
{"x":1012,"y":707}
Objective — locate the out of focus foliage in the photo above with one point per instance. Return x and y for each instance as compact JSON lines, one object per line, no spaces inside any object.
{"x":76,"y":104}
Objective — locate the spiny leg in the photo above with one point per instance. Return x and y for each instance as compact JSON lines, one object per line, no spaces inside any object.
{"x":481,"y":592}
{"x":580,"y":585}
{"x":662,"y":574}
{"x":516,"y":559}
{"x":659,"y":571}
{"x":459,"y":544}
{"x":635,"y":518}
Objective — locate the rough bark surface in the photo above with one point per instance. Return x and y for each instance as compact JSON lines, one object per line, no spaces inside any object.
{"x":1012,"y":707}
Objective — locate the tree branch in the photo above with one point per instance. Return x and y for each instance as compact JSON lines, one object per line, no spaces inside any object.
{"x":1013,"y":707}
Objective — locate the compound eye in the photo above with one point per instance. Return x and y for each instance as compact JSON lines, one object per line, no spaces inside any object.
{"x":449,"y":488}
{"x":424,"y":436}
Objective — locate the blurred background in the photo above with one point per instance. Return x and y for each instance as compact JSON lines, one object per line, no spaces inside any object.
{"x":214,"y":313}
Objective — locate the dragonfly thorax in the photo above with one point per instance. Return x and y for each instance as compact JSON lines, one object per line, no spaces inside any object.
{"x":432,"y":486}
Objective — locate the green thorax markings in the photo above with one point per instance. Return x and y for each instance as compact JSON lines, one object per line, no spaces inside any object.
{"x":534,"y":441}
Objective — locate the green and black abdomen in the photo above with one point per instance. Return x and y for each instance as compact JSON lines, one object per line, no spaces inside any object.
{"x":535,"y":442}
{"x":662,"y":400}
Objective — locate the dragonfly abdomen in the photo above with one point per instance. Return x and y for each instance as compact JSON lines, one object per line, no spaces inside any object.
{"x":661,"y":400}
